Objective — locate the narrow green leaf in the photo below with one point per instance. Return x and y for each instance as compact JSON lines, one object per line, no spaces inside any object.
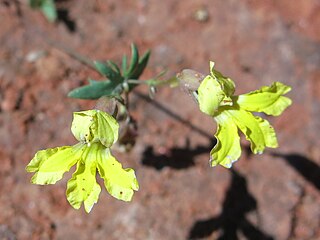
{"x":35,"y":3}
{"x":124,"y":64}
{"x":141,"y":65}
{"x":134,"y":61}
{"x":96,"y":89}
{"x":114,"y":66}
{"x":108,"y":71}
{"x":48,"y":8}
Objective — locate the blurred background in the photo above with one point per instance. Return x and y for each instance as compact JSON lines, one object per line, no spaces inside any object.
{"x":255,"y":42}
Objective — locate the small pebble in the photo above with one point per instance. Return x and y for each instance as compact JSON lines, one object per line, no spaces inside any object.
{"x":201,"y":15}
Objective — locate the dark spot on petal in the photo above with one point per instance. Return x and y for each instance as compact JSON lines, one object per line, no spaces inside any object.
{"x":121,"y":193}
{"x":83,"y":189}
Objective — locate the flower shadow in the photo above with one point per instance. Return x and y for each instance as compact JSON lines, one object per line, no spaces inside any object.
{"x":238,"y":202}
{"x":177,"y":158}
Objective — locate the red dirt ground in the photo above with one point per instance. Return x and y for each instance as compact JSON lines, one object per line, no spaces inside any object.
{"x":255,"y":42}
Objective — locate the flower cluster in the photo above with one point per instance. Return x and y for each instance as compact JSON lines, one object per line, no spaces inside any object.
{"x":96,"y":132}
{"x":232,"y":112}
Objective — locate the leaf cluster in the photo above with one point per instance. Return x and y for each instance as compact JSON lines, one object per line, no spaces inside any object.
{"x":118,"y":80}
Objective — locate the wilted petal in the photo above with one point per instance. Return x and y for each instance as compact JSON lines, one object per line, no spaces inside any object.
{"x":227,"y":150}
{"x":189,"y":80}
{"x":52,"y":163}
{"x":257,"y":130}
{"x":267,"y":99}
{"x":82,"y":187}
{"x":119,"y":182}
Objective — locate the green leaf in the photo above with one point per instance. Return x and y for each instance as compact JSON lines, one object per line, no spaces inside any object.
{"x":227,"y":150}
{"x":114,"y":66}
{"x":124,"y":64}
{"x":108,"y":71}
{"x":211,"y":96}
{"x":141,"y":66}
{"x":257,"y":130}
{"x":35,"y":3}
{"x":133,"y":62}
{"x":96,"y":89}
{"x":267,"y":99}
{"x":48,"y":8}
{"x":52,"y":163}
{"x":95,"y":126}
{"x":119,"y":182}
{"x":82,"y":187}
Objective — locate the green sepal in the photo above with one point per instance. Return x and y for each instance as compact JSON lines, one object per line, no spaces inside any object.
{"x":97,"y":89}
{"x":256,"y":129}
{"x":82,"y":187}
{"x":267,"y":99}
{"x":108,"y":70}
{"x":211,"y":96}
{"x":49,"y":165}
{"x":95,"y":126}
{"x":120,"y":183}
{"x":227,"y":149}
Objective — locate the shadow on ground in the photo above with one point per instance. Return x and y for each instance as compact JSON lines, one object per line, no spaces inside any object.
{"x":64,"y":16}
{"x":304,"y":166}
{"x":177,"y":158}
{"x":238,"y":202}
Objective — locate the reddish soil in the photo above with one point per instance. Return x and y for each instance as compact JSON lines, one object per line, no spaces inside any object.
{"x":269,"y":196}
